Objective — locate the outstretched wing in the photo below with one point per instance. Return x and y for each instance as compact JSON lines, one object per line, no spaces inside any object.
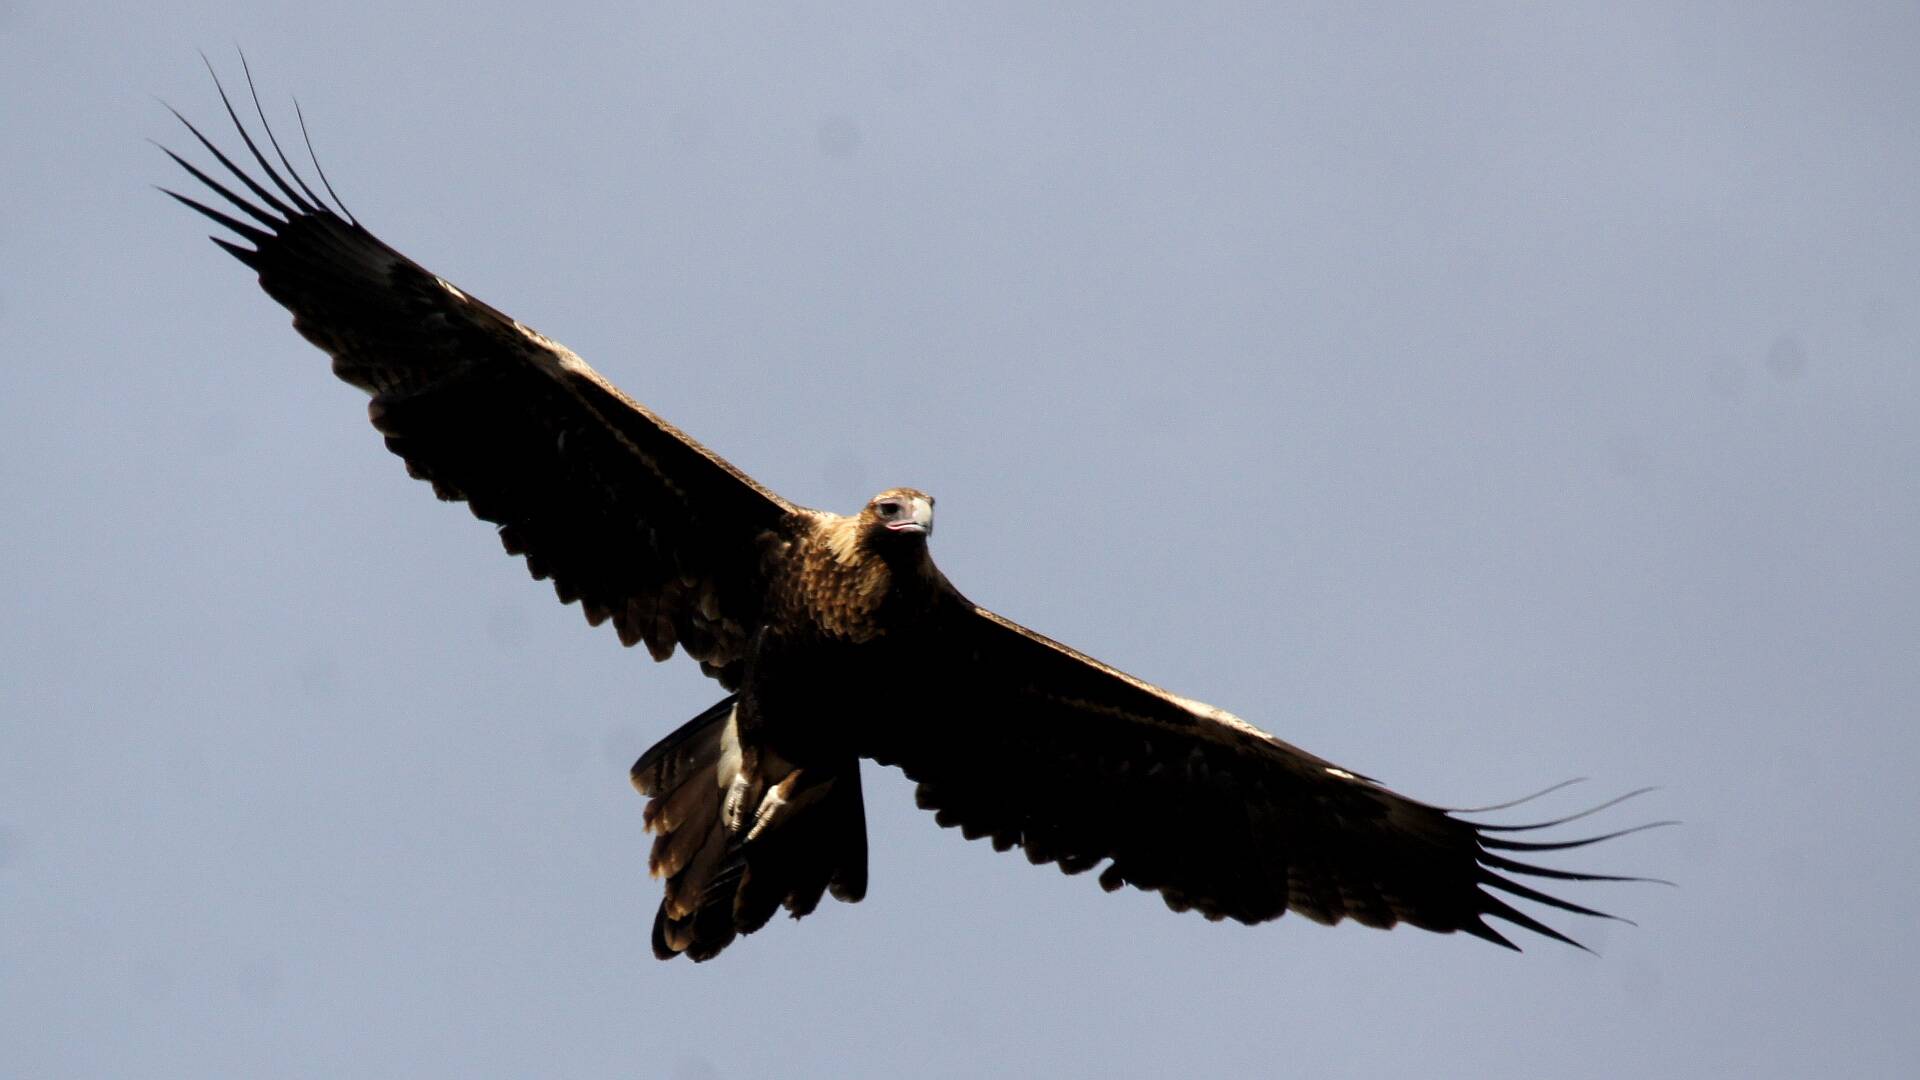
{"x":1028,"y":742}
{"x":641,"y":524}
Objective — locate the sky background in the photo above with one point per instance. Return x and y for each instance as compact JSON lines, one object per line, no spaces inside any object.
{"x":1476,"y":395}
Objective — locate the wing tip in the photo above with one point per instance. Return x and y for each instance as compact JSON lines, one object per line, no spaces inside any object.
{"x":1489,"y":862}
{"x":295,"y":200}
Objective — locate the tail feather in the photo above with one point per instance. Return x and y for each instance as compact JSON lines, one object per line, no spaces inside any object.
{"x":741,"y":833}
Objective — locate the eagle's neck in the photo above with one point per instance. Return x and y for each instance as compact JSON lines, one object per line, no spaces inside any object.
{"x":845,"y":586}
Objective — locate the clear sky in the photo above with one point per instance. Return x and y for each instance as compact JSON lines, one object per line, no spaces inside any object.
{"x":1476,"y":395}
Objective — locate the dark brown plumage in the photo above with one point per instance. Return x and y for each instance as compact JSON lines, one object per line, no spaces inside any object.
{"x":756,"y":803}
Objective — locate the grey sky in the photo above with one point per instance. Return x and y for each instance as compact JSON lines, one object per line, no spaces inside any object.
{"x":1477,"y":399}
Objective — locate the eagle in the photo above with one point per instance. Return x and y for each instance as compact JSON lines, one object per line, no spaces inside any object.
{"x":836,"y":638}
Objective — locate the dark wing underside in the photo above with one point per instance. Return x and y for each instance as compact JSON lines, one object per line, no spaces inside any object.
{"x":1031,"y":743}
{"x":638,"y":522}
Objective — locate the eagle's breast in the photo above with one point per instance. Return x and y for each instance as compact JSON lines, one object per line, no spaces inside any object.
{"x":824,"y":584}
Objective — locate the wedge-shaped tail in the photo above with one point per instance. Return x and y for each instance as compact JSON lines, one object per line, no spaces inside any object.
{"x":740,"y":833}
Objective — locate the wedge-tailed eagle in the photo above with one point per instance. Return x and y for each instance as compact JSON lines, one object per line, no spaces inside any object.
{"x":800,"y":613}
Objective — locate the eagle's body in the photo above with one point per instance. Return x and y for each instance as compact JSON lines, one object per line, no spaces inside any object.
{"x":838,"y":638}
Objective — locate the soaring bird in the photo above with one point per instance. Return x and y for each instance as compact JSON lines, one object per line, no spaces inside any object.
{"x":837,"y":638}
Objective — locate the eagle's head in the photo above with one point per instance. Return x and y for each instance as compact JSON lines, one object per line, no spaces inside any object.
{"x":899,"y":515}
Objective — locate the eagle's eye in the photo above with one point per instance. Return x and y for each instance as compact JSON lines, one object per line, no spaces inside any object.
{"x":887,"y":509}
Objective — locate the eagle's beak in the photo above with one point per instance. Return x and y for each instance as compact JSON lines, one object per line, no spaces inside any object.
{"x":921,"y":522}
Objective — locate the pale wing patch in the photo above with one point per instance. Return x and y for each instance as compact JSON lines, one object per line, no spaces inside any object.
{"x":554,"y":353}
{"x":566,"y":358}
{"x":1204,"y":710}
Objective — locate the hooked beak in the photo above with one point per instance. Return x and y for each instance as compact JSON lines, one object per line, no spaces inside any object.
{"x":921,"y":521}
